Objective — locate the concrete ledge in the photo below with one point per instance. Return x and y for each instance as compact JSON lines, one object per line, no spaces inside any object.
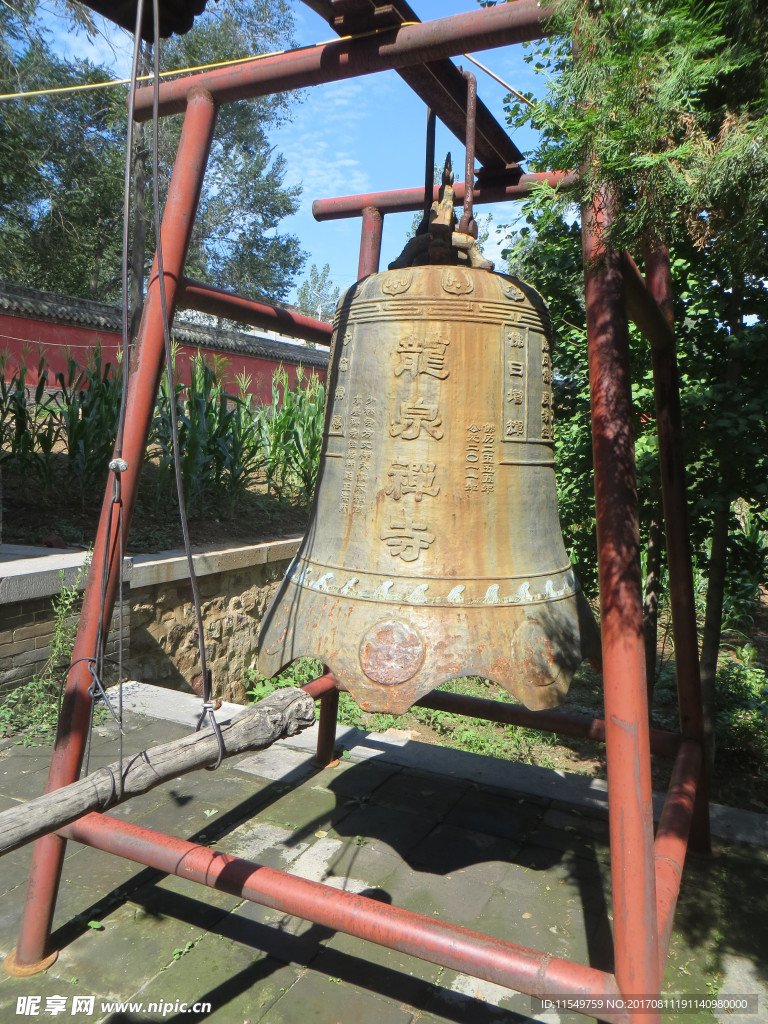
{"x":169,"y":566}
{"x":728,"y":823}
{"x":30,"y":573}
{"x":169,"y":705}
{"x":27,"y":573}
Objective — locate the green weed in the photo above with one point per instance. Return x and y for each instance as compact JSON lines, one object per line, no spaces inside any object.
{"x":34,"y":706}
{"x":741,"y":721}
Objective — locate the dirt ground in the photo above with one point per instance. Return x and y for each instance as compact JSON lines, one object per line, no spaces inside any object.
{"x":29,"y":519}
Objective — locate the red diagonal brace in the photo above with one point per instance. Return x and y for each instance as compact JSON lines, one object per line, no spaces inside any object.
{"x":179,"y":217}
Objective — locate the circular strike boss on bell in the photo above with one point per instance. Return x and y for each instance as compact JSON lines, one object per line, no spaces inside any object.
{"x":434,"y":546}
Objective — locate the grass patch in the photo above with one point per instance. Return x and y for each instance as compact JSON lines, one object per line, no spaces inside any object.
{"x":742,"y":725}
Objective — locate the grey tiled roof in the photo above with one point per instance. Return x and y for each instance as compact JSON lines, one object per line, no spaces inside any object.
{"x":30,"y":302}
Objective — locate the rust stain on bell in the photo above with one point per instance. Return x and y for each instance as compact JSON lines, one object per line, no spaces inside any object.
{"x":434,"y":545}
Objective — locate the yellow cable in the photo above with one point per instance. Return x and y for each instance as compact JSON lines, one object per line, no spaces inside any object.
{"x":183,"y":71}
{"x":500,"y":81}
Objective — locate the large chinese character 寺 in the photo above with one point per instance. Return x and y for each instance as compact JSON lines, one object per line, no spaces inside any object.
{"x":406,"y":539}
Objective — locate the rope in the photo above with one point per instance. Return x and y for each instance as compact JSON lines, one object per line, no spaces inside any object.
{"x":496,"y":78}
{"x":118,"y":465}
{"x":90,"y":86}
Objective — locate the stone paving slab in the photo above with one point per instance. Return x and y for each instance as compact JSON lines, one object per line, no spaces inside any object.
{"x":238,"y":982}
{"x":529,"y":781}
{"x":383,"y":972}
{"x":525,"y":866}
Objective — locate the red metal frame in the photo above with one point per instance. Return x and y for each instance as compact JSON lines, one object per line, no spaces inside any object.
{"x":349,"y":58}
{"x":666,"y":744}
{"x":502,"y":963}
{"x":645,"y":876}
{"x":409,"y":200}
{"x":370,"y":242}
{"x":207,"y":299}
{"x":630,"y":809}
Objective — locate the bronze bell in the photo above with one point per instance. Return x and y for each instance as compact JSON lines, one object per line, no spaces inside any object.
{"x":434,"y":547}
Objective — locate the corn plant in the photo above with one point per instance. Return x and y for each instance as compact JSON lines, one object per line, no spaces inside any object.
{"x":47,"y":430}
{"x":89,"y":407}
{"x":309,"y":403}
{"x":210,"y":415}
{"x":291,"y":431}
{"x":213,"y":435}
{"x":29,"y":426}
{"x":274,"y":427}
{"x":18,"y":414}
{"x":160,"y":442}
{"x":224,"y":439}
{"x":243,"y":451}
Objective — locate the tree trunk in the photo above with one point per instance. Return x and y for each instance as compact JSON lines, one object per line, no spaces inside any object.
{"x":713,"y":623}
{"x":283,"y":713}
{"x":652,"y":588}
{"x":718,"y":560}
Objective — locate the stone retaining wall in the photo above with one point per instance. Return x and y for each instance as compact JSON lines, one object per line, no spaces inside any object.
{"x":29,"y":586}
{"x":235,"y":587}
{"x":160,"y":633}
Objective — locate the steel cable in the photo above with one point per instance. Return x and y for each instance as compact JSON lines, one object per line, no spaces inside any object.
{"x":209,"y":705}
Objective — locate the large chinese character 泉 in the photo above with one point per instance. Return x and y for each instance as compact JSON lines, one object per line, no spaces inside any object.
{"x":413,"y":418}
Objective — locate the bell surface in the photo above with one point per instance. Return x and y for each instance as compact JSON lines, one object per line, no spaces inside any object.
{"x":434,"y":547}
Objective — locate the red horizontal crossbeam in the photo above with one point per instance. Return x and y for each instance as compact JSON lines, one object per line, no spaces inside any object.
{"x":482,"y":956}
{"x":566,"y":723}
{"x":207,"y":299}
{"x":407,"y":200}
{"x":482,"y":29}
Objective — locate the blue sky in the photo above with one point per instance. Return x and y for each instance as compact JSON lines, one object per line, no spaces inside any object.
{"x":361,"y":135}
{"x":367,"y":134}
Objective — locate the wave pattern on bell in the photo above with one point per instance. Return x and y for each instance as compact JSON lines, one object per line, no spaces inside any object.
{"x":434,"y":547}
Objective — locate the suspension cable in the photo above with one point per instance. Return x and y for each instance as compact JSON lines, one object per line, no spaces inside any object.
{"x":209,"y":705}
{"x":117,"y":465}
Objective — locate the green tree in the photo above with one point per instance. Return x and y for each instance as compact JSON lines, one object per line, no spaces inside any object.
{"x":61,"y":164}
{"x":316,"y":295}
{"x":237,"y":243}
{"x":664,"y":103}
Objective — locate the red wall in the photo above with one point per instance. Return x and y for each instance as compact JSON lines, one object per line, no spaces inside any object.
{"x":25,"y":340}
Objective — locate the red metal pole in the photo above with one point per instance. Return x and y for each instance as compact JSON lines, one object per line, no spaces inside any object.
{"x":672,"y":839}
{"x":183,"y":196}
{"x":326,"y":729}
{"x":325,"y":689}
{"x":348,"y":58}
{"x":407,"y":200}
{"x":636,"y":944}
{"x":321,"y":686}
{"x":679,"y":559}
{"x":370,"y":242}
{"x":643,"y":308}
{"x":566,"y":723}
{"x":494,"y":960}
{"x":207,"y":299}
